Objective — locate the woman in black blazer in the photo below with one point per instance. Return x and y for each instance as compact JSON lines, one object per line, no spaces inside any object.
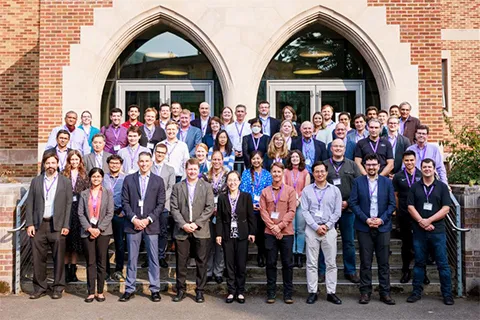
{"x":95,"y":212}
{"x":257,"y":141}
{"x":235,"y":227}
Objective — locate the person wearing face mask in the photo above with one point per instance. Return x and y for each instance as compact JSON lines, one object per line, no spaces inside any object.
{"x":209,"y":138}
{"x":270,"y":125}
{"x":224,"y":145}
{"x":289,"y":132}
{"x":277,"y":150}
{"x":256,"y":141}
{"x":235,"y":227}
{"x":151,"y":134}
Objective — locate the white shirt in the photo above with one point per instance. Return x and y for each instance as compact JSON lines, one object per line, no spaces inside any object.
{"x":233,"y":130}
{"x":130,"y":158}
{"x":51,"y":184}
{"x":177,"y":156}
{"x":373,"y":186}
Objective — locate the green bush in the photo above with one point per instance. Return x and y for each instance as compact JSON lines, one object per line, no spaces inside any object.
{"x":465,"y":153}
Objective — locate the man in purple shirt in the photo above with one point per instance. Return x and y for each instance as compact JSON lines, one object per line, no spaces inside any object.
{"x":115,"y":134}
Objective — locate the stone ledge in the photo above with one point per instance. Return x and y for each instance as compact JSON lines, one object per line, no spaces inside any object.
{"x":18,"y":156}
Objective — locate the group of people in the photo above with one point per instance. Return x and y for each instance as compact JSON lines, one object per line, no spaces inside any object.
{"x":220,"y":185}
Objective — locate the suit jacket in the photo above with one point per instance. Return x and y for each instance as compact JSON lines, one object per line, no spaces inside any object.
{"x":246,"y":221}
{"x":61,"y":205}
{"x":320,"y":148}
{"x":198,"y":124}
{"x":194,"y":137}
{"x":349,"y":150}
{"x":401,"y":146}
{"x":106,"y":213}
{"x":411,"y":126}
{"x":168,"y":176}
{"x":202,"y":209}
{"x":158,"y":135}
{"x":54,"y":151}
{"x":153,"y":203}
{"x":90,"y":163}
{"x":248,"y":147}
{"x":208,"y":140}
{"x":360,"y":203}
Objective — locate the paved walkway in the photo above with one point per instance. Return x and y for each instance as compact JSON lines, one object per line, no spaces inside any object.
{"x":72,"y":307}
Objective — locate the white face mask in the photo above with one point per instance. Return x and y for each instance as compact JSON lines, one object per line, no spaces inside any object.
{"x":256,"y":130}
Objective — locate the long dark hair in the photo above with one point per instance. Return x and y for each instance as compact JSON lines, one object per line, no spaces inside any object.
{"x":252,"y":169}
{"x":301,"y":165}
{"x":228,"y":146}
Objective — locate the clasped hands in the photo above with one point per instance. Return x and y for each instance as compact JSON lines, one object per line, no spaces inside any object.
{"x":190,"y":227}
{"x":140,"y":224}
{"x":94,"y":232}
{"x":277,"y":232}
{"x":374,"y":222}
{"x":322,"y":230}
{"x":426,"y":224}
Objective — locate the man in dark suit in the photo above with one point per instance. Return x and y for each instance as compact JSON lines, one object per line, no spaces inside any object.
{"x":270,"y":125}
{"x":48,"y":222}
{"x":192,"y":136}
{"x":143,"y":198}
{"x":312,"y":149}
{"x":151,"y":133}
{"x":61,"y":150}
{"x":399,"y":144}
{"x":97,"y":158}
{"x":203,"y":123}
{"x":191,"y":207}
{"x":408,"y":124}
{"x":372,"y":200}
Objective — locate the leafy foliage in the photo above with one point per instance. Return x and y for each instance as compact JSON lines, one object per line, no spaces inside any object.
{"x":465,"y":153}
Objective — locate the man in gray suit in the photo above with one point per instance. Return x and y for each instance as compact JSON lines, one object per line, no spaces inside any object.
{"x":98,"y":158}
{"x":399,"y":144}
{"x":189,"y":134}
{"x":48,"y":222}
{"x":167,"y":173}
{"x":191,"y":206}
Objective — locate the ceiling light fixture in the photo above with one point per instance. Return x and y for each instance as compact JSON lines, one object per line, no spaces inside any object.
{"x":160,"y":55}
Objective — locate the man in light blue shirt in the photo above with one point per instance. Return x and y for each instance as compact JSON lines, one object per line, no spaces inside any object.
{"x":78,"y":139}
{"x":131,"y":152}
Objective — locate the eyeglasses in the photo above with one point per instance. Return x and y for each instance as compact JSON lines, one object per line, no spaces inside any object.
{"x":160,"y":152}
{"x":371,"y":164}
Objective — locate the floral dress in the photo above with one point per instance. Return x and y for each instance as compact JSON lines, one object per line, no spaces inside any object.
{"x":74,"y":241}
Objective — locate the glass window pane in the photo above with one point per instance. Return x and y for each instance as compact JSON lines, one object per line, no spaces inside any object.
{"x":188,"y":99}
{"x":299,"y":100}
{"x":340,"y":101}
{"x":143,"y":99}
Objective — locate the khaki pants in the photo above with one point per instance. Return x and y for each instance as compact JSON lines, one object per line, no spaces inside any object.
{"x":328,"y":243}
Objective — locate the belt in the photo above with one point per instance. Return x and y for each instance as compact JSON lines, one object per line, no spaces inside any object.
{"x":47,"y":219}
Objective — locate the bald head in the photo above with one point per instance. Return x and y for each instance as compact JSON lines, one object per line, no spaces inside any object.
{"x":338,"y":149}
{"x":340,"y":130}
{"x":204,"y":109}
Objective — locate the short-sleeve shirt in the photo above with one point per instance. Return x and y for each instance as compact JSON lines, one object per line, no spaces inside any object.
{"x":400,"y":185}
{"x":384,"y":150}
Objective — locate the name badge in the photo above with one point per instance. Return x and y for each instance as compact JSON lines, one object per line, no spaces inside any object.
{"x":215,"y":199}
{"x":427,"y":206}
{"x":131,"y":171}
{"x":93,"y":220}
{"x":140,"y":203}
{"x":234,"y":224}
{"x":319,"y":213}
{"x":116,"y":148}
{"x":308,"y":162}
{"x":214,"y":220}
{"x":74,"y":199}
{"x":256,"y":198}
{"x":337,"y":182}
{"x":275,"y":215}
{"x":150,"y":145}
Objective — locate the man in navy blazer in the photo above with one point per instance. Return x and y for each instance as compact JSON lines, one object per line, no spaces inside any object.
{"x":191,"y":135}
{"x":312,"y":149}
{"x":203,"y":122}
{"x":143,"y":199}
{"x":372,"y":200}
{"x":270,"y":125}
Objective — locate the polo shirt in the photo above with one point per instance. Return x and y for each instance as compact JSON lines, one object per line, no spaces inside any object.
{"x":401,"y":187}
{"x":439,"y":197}
{"x":347,"y":172}
{"x":384,"y":150}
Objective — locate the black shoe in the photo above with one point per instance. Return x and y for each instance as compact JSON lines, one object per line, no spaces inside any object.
{"x":218,"y":279}
{"x":73,"y":273}
{"x":180,"y":296}
{"x":209,"y":279}
{"x":353,"y":278}
{"x":127,"y":296}
{"x":364,"y":298}
{"x":299,"y":261}
{"x":312,"y":297}
{"x":413,"y":298}
{"x":57,"y":295}
{"x":145,"y":264}
{"x":89,"y":300}
{"x":295,"y":260}
{"x":271,"y":298}
{"x":261,"y":261}
{"x":37,"y":295}
{"x":448,"y":301}
{"x":406,"y":276}
{"x":199,"y":297}
{"x":321,"y":278}
{"x":241,"y":299}
{"x":163,"y":263}
{"x":230,"y":298}
{"x":68,"y":275}
{"x":333,"y":299}
{"x":100,"y":299}
{"x":387,"y":300}
{"x":426,"y":280}
{"x":156,"y":297}
{"x":287,"y":299}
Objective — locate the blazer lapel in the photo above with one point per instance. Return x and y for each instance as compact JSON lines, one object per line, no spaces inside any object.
{"x":137,"y":184}
{"x":185,"y":191}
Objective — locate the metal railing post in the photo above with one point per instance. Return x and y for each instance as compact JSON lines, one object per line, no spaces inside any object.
{"x":458,"y":222}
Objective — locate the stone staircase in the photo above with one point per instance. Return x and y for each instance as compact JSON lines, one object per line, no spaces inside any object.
{"x":256,"y":278}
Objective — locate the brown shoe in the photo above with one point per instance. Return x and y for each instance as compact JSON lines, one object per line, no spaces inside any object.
{"x":387,"y":300}
{"x":364,"y":298}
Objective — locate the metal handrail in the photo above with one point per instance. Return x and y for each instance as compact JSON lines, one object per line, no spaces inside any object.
{"x":454,"y":226}
{"x":18,"y":228}
{"x":457,"y":213}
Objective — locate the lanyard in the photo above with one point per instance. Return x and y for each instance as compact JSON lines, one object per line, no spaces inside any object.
{"x":257,"y":181}
{"x":429,"y":192}
{"x":191,"y":195}
{"x":204,"y":128}
{"x":74,"y":179}
{"x":265,"y":124}
{"x":143,"y":186}
{"x":233,"y":202}
{"x":62,"y":163}
{"x":94,"y":203}
{"x":132,"y":155}
{"x":370,"y":190}
{"x":358,"y":137}
{"x":319,"y":196}
{"x":295,"y":179}
{"x":394,"y":142}
{"x":183,"y":135}
{"x":47,"y":189}
{"x":422,"y":156}
{"x":114,"y":183}
{"x":376,"y":145}
{"x":402,"y":125}
{"x":278,"y":159}
{"x":255,"y":145}
{"x":169,"y":152}
{"x":337,"y":169}
{"x":149,"y":132}
{"x":239,"y":131}
{"x":308,"y":146}
{"x":410,"y":183}
{"x":217,"y":182}
{"x":116,"y":133}
{"x":277,"y":198}
{"x":98,"y":160}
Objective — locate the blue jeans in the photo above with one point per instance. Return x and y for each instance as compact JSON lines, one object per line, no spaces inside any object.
{"x":347,"y":231}
{"x":118,"y":224}
{"x":299,"y":235}
{"x":437,"y":242}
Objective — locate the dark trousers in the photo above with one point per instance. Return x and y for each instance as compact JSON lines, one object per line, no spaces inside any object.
{"x":45,"y":238}
{"x":260,"y":236}
{"x":236,"y":253}
{"x":405,"y":225}
{"x":96,"y":259}
{"x":118,"y":224}
{"x":182,"y":248}
{"x":378,"y":242}
{"x":285,"y":245}
{"x":163,"y":236}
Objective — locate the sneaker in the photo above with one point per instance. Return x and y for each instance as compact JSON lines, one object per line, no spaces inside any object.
{"x":413,"y":298}
{"x":448,"y":300}
{"x":118,"y":276}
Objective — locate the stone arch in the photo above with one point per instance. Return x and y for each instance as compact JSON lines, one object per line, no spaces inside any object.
{"x":101,"y":44}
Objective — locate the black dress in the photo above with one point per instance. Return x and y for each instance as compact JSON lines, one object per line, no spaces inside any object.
{"x":74,"y":241}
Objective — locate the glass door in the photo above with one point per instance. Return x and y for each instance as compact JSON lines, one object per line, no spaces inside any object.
{"x":300,"y":97}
